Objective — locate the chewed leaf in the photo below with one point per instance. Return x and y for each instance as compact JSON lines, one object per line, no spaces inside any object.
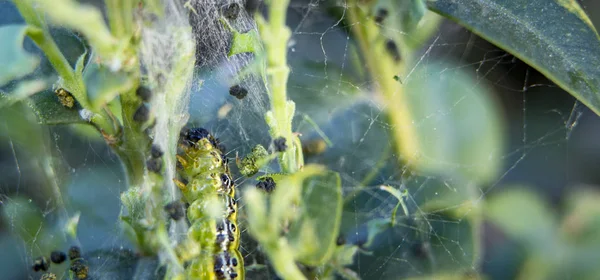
{"x":554,"y":36}
{"x":103,"y":85}
{"x":244,"y":43}
{"x":16,"y":62}
{"x":321,"y":214}
{"x":457,"y":126}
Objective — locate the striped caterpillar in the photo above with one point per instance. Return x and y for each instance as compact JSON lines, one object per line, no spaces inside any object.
{"x":205,"y":178}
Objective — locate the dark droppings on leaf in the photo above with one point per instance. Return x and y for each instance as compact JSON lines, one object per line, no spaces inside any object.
{"x":41,"y":263}
{"x":175,"y":210}
{"x":58,"y":257}
{"x":144,"y":93}
{"x":392,"y":49}
{"x":154,"y":165}
{"x":381,"y":15}
{"x":226,"y":181}
{"x":156,"y":152}
{"x":267,"y":184}
{"x":238,"y":92}
{"x":142,"y":114}
{"x":280,"y":144}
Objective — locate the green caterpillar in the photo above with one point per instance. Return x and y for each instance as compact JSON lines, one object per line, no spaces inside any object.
{"x":205,"y":179}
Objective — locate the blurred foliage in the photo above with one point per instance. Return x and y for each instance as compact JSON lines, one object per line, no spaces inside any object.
{"x":556,"y":247}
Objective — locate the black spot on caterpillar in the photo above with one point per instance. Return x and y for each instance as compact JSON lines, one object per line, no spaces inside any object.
{"x":204,"y":179}
{"x":238,"y":91}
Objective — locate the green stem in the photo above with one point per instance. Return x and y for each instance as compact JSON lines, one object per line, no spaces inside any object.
{"x":134,"y":141}
{"x":382,"y":71}
{"x":115,"y":20}
{"x":275,"y":36}
{"x":283,"y":260}
{"x":120,"y":17}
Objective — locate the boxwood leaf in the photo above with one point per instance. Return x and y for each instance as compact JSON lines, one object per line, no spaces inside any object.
{"x":320,"y":218}
{"x":555,"y":37}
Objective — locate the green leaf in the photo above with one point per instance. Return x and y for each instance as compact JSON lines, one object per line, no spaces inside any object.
{"x":555,"y":37}
{"x":248,"y":42}
{"x":524,"y":216}
{"x":81,"y":62}
{"x":49,"y":110}
{"x":103,"y":85}
{"x":457,"y":126}
{"x":16,"y":62}
{"x":314,"y":234}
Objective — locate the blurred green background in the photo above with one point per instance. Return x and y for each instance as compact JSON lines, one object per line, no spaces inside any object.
{"x":541,"y":212}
